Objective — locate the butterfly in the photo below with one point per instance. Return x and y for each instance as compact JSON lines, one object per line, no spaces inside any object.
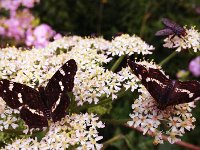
{"x":166,"y":92}
{"x":47,"y":103}
{"x":171,"y":28}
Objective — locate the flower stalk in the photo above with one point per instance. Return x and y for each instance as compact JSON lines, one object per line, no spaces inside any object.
{"x":168,"y":58}
{"x":117,"y":63}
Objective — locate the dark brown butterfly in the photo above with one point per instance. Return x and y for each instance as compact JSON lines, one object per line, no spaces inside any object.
{"x":165,"y":91}
{"x":50,"y":102}
{"x":171,"y":28}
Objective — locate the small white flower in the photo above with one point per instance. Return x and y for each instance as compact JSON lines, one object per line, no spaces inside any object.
{"x":149,"y":118}
{"x":75,"y":130}
{"x":126,"y":44}
{"x":190,"y":41}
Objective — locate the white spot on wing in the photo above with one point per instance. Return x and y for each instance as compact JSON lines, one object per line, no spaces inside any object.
{"x":62,"y":71}
{"x":20,"y":97}
{"x":61,"y":85}
{"x":4,"y":91}
{"x":35,"y":111}
{"x":11,"y":85}
{"x":56,"y":104}
{"x":147,"y":79}
{"x":191,"y":95}
{"x":158,"y":82}
{"x":185,"y":91}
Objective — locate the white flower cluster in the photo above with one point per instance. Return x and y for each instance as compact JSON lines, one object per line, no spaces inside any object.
{"x":126,"y":44}
{"x":129,"y":79}
{"x":77,"y":131}
{"x":7,"y":120}
{"x":175,"y":119}
{"x":190,"y":41}
{"x":34,"y":67}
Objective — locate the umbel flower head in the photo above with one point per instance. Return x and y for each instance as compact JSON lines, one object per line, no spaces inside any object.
{"x":190,"y":41}
{"x":173,"y":120}
{"x":126,"y":44}
{"x":77,"y":131}
{"x":34,"y":67}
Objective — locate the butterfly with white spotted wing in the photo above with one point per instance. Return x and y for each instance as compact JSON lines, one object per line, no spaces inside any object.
{"x":50,"y":102}
{"x":165,"y":91}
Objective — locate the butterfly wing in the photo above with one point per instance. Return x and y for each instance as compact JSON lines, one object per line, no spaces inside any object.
{"x":58,"y":110}
{"x":158,"y":86}
{"x":57,"y":88}
{"x":18,"y":95}
{"x":153,"y":79}
{"x":173,"y":26}
{"x":169,"y":23}
{"x":164,"y":32}
{"x":184,"y":92}
{"x":34,"y":119}
{"x":139,"y":70}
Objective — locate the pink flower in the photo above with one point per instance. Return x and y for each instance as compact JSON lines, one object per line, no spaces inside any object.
{"x":2,"y":30}
{"x":194,"y":66}
{"x":40,"y":36}
{"x":28,"y":3}
{"x":16,"y":26}
{"x":13,"y":28}
{"x":57,"y":36}
{"x":11,"y":5}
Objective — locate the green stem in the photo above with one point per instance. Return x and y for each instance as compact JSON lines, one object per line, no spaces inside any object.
{"x":116,"y":122}
{"x":163,"y":62}
{"x":110,"y":141}
{"x":116,"y":138}
{"x":11,"y":131}
{"x":117,"y":63}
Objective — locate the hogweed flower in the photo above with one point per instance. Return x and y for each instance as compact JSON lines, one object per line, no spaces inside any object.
{"x":75,"y":131}
{"x":146,"y":115}
{"x":34,"y":67}
{"x":128,"y":45}
{"x":190,"y":41}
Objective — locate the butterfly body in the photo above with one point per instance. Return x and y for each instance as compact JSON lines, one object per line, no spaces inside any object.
{"x":44,"y":100}
{"x":47,"y":103}
{"x":171,"y":28}
{"x":165,"y":91}
{"x":164,"y":99}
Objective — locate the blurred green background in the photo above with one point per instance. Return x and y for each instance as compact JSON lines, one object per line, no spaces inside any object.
{"x":140,"y":17}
